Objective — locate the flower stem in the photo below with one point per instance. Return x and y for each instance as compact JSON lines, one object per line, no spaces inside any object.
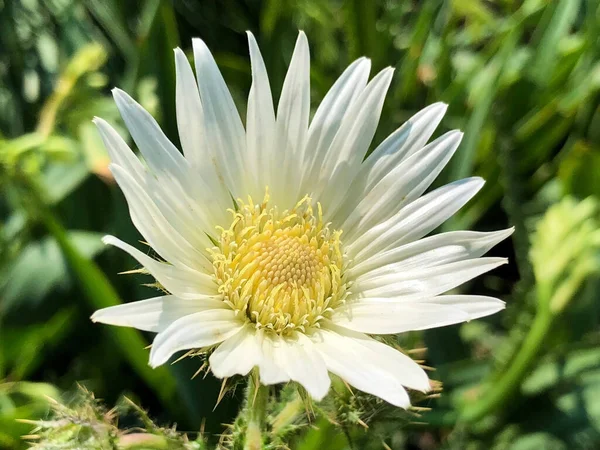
{"x":256,"y":406}
{"x":501,"y":392}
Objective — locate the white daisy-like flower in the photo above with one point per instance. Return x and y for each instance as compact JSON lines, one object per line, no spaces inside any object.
{"x":280,"y":245}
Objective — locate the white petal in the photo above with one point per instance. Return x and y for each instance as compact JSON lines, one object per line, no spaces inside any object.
{"x":425,"y":282}
{"x":416,"y":219}
{"x":222,"y":124}
{"x":119,"y":151}
{"x":400,"y":186}
{"x":351,"y":142}
{"x":328,"y":118}
{"x":401,"y":144}
{"x":406,"y":369}
{"x":190,"y":123}
{"x":190,"y":117}
{"x":167,"y":191}
{"x":390,"y":317}
{"x":303,"y":364}
{"x":362,"y":367}
{"x":237,"y":355}
{"x":198,"y":330}
{"x":260,"y":123}
{"x":172,"y":235}
{"x":154,"y":314}
{"x":292,"y":122}
{"x":160,"y":154}
{"x":475,"y":306}
{"x":395,"y":149}
{"x":180,"y":281}
{"x":280,"y":359}
{"x":431,"y":251}
{"x":270,"y":368}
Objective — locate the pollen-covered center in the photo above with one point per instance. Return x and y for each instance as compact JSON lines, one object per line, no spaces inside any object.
{"x":282,"y":270}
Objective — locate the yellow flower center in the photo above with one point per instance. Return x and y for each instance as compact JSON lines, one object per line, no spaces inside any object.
{"x":284,"y":271}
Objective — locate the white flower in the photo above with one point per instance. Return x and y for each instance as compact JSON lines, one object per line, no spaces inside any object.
{"x":319,"y":251}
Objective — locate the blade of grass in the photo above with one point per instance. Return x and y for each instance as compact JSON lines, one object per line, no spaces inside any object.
{"x":462,"y":163}
{"x":410,"y":63}
{"x":147,"y":19}
{"x":545,"y":59}
{"x":361,"y":30}
{"x":108,"y":14}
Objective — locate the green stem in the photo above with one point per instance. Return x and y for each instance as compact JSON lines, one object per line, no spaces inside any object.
{"x":502,"y":391}
{"x":256,"y":410}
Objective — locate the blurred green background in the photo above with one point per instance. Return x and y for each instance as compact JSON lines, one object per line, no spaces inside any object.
{"x":522,"y":78}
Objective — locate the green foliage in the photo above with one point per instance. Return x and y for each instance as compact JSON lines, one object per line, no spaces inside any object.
{"x":86,"y":424}
{"x":522,"y":79}
{"x":18,"y":400}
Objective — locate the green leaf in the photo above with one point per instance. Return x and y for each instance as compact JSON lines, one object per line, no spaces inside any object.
{"x":23,"y":347}
{"x":546,"y":55}
{"x":109,"y":15}
{"x":41,"y":267}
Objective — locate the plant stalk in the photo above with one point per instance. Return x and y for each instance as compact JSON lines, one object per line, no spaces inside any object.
{"x":256,"y":406}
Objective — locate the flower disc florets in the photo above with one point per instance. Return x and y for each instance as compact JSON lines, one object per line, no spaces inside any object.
{"x":284,"y":270}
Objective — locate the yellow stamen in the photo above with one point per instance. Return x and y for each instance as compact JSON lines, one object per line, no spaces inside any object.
{"x":284,"y":271}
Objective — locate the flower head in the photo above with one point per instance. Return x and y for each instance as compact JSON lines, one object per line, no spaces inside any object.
{"x":321,"y":247}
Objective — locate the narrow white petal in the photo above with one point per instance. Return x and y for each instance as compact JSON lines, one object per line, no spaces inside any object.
{"x":160,"y":154}
{"x":260,"y":124}
{"x":270,"y":367}
{"x":166,"y":162}
{"x":328,"y":118}
{"x":416,"y":219}
{"x":431,"y":251}
{"x":362,"y":367}
{"x":154,"y":314}
{"x":303,"y":364}
{"x":391,"y":317}
{"x":401,"y":144}
{"x":406,"y":369}
{"x":400,"y":186}
{"x":222,"y":124}
{"x":475,"y":306}
{"x":190,"y":117}
{"x":351,"y":142}
{"x":119,"y":151}
{"x":205,"y":204}
{"x":198,"y":330}
{"x":174,"y":236}
{"x":180,"y":281}
{"x":424,"y":282}
{"x":237,"y":355}
{"x":190,"y":123}
{"x":292,"y":120}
